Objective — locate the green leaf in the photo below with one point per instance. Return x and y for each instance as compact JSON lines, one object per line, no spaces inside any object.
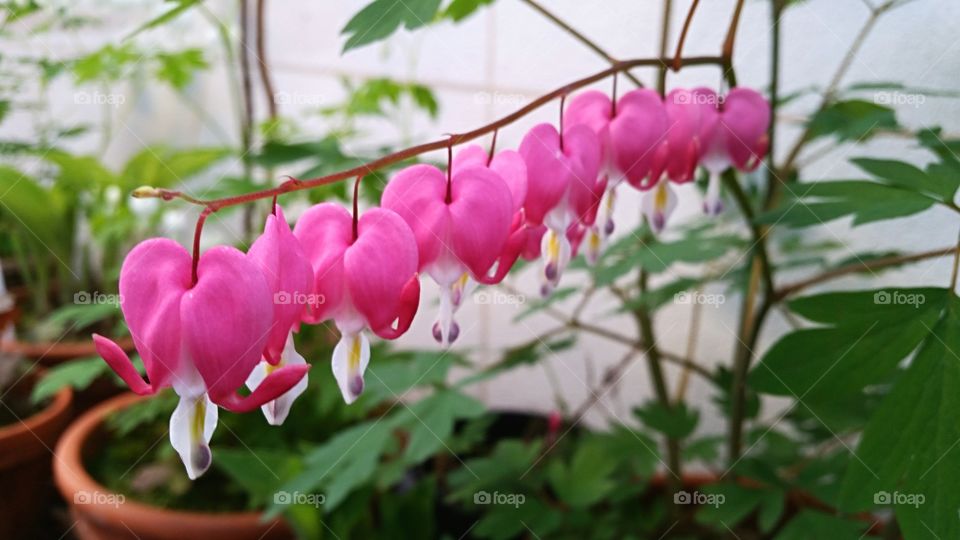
{"x":381,"y":18}
{"x":771,"y":509}
{"x":630,"y":252}
{"x":905,"y":175}
{"x":676,"y":421}
{"x":342,"y":464}
{"x":396,"y":373}
{"x":812,"y":524}
{"x":459,"y":10}
{"x":107,"y":64}
{"x":821,"y":202}
{"x":165,"y":17}
{"x":258,"y":472}
{"x":908,"y":455}
{"x":179,"y":68}
{"x":867,"y":334}
{"x":504,"y":469}
{"x":587,"y":478}
{"x":159,"y":166}
{"x":503,"y":521}
{"x":77,"y":374}
{"x":34,"y":211}
{"x":434,"y":417}
{"x":728,"y":503}
{"x":852,"y":120}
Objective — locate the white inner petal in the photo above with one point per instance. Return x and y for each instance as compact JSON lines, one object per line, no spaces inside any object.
{"x":350,"y":359}
{"x":191,"y":427}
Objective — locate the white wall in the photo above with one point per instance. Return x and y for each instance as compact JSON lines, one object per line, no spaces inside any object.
{"x":508,"y":54}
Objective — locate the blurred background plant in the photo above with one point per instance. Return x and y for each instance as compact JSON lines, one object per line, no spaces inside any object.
{"x":851,"y":397}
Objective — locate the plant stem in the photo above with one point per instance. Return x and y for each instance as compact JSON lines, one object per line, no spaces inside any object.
{"x":677,"y":60}
{"x":265,"y":77}
{"x":956,"y":268}
{"x":876,"y":264}
{"x":664,"y":41}
{"x":297,"y":185}
{"x":652,"y":353}
{"x":728,"y":43}
{"x":580,"y":37}
{"x":776,"y":12}
{"x":750,"y":321}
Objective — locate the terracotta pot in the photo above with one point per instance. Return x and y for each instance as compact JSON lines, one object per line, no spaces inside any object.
{"x":102,"y":515}
{"x":50,"y":354}
{"x":25,"y":457}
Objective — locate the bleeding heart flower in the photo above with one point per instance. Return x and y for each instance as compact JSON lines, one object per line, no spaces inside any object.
{"x":461,"y":227}
{"x":202,"y":338}
{"x":691,"y":116}
{"x":629,"y":135}
{"x":280,"y":257}
{"x":738,"y":138}
{"x":363,"y":279}
{"x":562,"y":187}
{"x":511,"y":168}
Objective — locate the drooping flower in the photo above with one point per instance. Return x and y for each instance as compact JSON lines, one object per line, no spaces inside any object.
{"x":279,"y":256}
{"x":691,"y":115}
{"x":365,"y":277}
{"x":629,"y":134}
{"x":201,"y":338}
{"x":461,"y":226}
{"x":563,"y":186}
{"x":737,"y":138}
{"x":510,"y":166}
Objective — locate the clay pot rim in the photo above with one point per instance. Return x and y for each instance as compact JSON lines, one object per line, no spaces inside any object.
{"x":71,"y":477}
{"x":27,"y":427}
{"x":58,"y":350}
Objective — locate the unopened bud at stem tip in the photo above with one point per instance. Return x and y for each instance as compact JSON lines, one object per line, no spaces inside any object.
{"x":144,"y":192}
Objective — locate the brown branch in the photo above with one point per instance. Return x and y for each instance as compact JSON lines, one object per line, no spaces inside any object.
{"x":732,"y":33}
{"x":580,"y":37}
{"x":677,"y":60}
{"x":389,"y":159}
{"x":265,"y":78}
{"x":853,"y":268}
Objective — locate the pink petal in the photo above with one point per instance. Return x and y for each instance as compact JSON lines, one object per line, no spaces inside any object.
{"x":154,"y":277}
{"x":379,"y":265}
{"x":417,"y":194}
{"x":280,"y":257}
{"x":409,"y":303}
{"x":480,"y":213}
{"x":548,"y":175}
{"x":746,"y":117}
{"x":636,"y":133}
{"x":594,"y":110}
{"x":119,"y":362}
{"x":507,"y":163}
{"x":688,"y":113}
{"x":325,"y":231}
{"x":227,"y":317}
{"x":278,"y":383}
{"x":581,"y":146}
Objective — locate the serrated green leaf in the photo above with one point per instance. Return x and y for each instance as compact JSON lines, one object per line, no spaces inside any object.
{"x":851,"y":120}
{"x":869,"y":333}
{"x":381,"y":18}
{"x":812,"y":524}
{"x":77,"y":374}
{"x":677,"y":421}
{"x":904,"y":175}
{"x":908,"y":455}
{"x":865,"y":201}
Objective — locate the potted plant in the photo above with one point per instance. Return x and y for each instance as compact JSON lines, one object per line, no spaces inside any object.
{"x":28,"y":434}
{"x":394,"y":444}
